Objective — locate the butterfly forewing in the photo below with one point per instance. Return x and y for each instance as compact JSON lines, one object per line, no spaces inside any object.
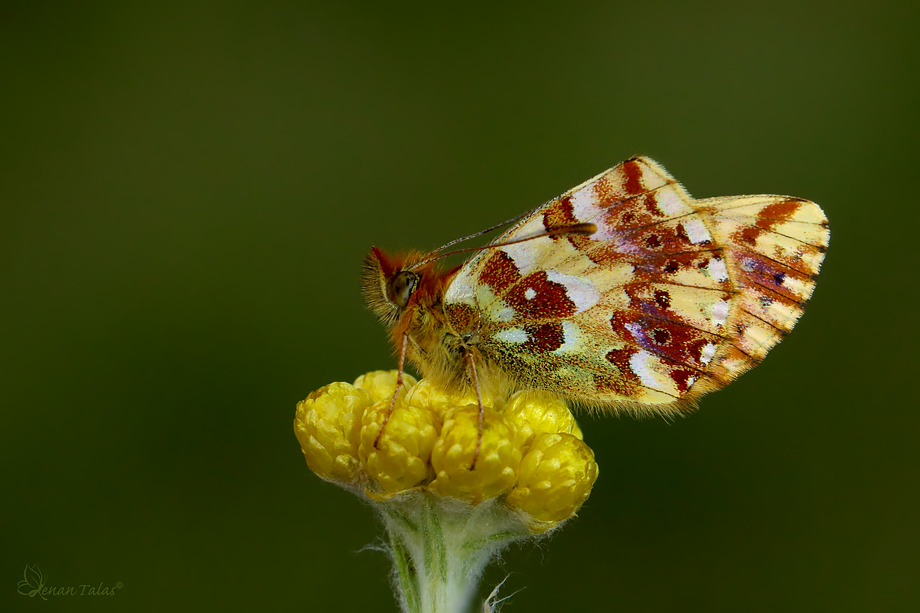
{"x":669,"y":298}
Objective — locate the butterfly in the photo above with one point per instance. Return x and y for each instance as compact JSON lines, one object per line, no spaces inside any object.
{"x":623,"y":294}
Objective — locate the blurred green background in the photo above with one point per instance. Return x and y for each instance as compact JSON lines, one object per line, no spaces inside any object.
{"x":188,"y":191}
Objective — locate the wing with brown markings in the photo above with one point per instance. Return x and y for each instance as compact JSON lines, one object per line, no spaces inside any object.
{"x":670,"y":298}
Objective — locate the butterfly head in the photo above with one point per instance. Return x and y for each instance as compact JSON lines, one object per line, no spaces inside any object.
{"x":393,"y":284}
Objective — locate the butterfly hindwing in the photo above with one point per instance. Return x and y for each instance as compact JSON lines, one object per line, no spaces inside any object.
{"x":774,"y":246}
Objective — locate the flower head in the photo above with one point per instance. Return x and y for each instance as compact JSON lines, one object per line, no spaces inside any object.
{"x":535,"y":412}
{"x":453,"y":480}
{"x":526,"y":451}
{"x":554,"y":479}
{"x":381,"y":384}
{"x":396,"y":446}
{"x":327,"y":424}
{"x":473,"y":465}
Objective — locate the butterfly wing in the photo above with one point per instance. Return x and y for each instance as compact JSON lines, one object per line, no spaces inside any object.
{"x":774,"y":246}
{"x":670,"y":298}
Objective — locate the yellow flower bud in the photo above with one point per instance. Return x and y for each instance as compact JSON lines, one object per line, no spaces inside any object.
{"x":327,"y":424}
{"x":454,"y":452}
{"x":554,"y":479}
{"x":536,"y":412}
{"x":425,"y":395}
{"x":382,"y":383}
{"x":399,"y":460}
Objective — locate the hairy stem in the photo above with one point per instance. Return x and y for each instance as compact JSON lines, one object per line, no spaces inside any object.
{"x":441,"y":547}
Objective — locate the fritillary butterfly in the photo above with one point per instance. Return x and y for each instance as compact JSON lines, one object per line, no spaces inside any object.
{"x":624,"y":293}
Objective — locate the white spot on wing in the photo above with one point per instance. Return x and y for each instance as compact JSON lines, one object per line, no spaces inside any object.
{"x":530,"y":293}
{"x":670,"y":203}
{"x":579,"y":291}
{"x":502,"y":313}
{"x":460,"y":292}
{"x":512,"y":335}
{"x":524,"y":254}
{"x":583,"y":207}
{"x":720,"y":312}
{"x":708,"y":352}
{"x":696,"y":231}
{"x":636,"y":330}
{"x":640,"y":363}
{"x":718,"y":269}
{"x":571,"y":336}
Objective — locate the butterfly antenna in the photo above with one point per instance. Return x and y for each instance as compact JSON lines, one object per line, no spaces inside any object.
{"x":431,"y":255}
{"x":582,"y":229}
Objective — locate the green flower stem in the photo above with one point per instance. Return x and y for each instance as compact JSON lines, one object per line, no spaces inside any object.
{"x":441,"y":546}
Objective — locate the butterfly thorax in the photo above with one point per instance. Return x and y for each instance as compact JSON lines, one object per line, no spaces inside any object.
{"x":410,"y":302}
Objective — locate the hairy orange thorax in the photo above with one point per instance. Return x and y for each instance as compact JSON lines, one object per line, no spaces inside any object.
{"x":407,"y":298}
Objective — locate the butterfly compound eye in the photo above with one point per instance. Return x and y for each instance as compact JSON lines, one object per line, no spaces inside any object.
{"x":401,"y":286}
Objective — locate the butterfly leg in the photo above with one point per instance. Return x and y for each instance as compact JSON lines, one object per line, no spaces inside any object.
{"x":475,"y":380}
{"x":399,"y":384}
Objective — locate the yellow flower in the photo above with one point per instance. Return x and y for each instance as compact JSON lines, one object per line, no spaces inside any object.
{"x":327,"y":424}
{"x":455,"y":451}
{"x":399,"y":460}
{"x":530,"y":446}
{"x":427,"y":396}
{"x":381,"y":384}
{"x":554,"y":479}
{"x":535,"y":412}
